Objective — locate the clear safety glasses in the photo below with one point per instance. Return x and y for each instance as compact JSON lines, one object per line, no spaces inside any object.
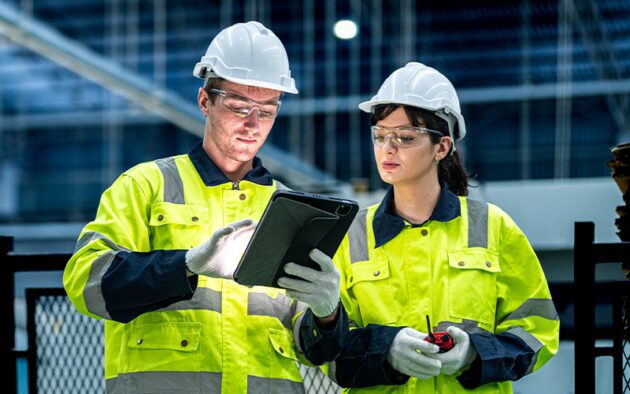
{"x":243,"y":107}
{"x":401,"y":137}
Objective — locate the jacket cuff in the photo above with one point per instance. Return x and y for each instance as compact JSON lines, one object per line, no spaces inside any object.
{"x":139,"y":282}
{"x":319,"y":345}
{"x":363,"y":362}
{"x":500,"y":357}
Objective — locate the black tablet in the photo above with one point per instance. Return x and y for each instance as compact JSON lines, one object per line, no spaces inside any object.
{"x":293,"y":223}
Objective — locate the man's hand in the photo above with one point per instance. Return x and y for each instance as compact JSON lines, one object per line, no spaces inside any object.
{"x":461,"y":355}
{"x":219,"y":255}
{"x":409,"y":354}
{"x":318,"y":289}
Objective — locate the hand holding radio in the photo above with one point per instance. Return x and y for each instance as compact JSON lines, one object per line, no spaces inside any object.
{"x":456,"y":351}
{"x":410,"y":354}
{"x":442,"y":339}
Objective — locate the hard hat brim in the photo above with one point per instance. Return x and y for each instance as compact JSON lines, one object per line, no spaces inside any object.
{"x":205,"y":72}
{"x":260,"y":84}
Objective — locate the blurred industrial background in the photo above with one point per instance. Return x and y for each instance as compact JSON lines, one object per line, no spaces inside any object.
{"x":89,"y":88}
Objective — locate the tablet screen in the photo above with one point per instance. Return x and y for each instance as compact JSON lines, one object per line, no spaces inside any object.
{"x":293,"y":223}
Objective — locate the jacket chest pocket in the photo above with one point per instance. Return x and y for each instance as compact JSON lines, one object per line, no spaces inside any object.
{"x":371,"y":285}
{"x":472,"y":277}
{"x":166,"y":346}
{"x":178,"y":226}
{"x":282,"y":361}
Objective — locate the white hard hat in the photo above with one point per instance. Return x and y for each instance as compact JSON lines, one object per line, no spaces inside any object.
{"x":248,"y":54}
{"x":424,"y":87}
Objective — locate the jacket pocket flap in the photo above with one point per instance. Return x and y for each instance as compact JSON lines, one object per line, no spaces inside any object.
{"x":474,"y":258}
{"x":169,"y":213}
{"x":282,"y":343}
{"x":181,"y":336}
{"x":364,"y":271}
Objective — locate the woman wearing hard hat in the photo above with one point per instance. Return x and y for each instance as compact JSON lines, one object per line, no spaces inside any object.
{"x":444,"y":293}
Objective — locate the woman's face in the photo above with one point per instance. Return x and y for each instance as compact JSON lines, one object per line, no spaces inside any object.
{"x":398,"y":165}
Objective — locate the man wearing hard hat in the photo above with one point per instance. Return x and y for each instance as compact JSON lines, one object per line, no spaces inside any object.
{"x":158,"y":259}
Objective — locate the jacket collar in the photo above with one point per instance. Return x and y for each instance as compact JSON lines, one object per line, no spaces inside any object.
{"x":387,"y":224}
{"x":212,"y":175}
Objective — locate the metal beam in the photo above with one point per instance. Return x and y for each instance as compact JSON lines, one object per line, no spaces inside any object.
{"x":602,"y":54}
{"x":312,"y":106}
{"x":47,"y":42}
{"x":57,"y":120}
{"x":472,"y":96}
{"x":38,"y":37}
{"x":545,"y":91}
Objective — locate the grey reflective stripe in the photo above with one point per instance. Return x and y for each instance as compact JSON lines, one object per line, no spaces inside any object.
{"x":470,"y":326}
{"x":92,"y":236}
{"x":477,"y":223}
{"x":173,"y":185}
{"x":332,"y":371}
{"x":352,"y":324}
{"x":299,"y":307}
{"x":261,"y":304}
{"x":202,"y":299}
{"x":92,"y":292}
{"x":296,"y":333}
{"x":357,"y":235}
{"x":258,"y":385}
{"x":532,"y":364}
{"x":530,"y":340}
{"x":165,"y":382}
{"x":542,"y":307}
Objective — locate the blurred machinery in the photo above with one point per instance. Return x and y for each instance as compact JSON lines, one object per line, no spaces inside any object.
{"x":620,"y":167}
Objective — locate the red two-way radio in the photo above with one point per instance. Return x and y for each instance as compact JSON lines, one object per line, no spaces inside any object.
{"x":442,"y":339}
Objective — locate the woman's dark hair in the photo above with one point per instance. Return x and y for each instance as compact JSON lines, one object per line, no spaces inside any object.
{"x":450,"y":169}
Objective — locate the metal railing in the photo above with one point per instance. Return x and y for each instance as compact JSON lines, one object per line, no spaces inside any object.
{"x":65,"y":348}
{"x":9,"y":265}
{"x":587,"y":255}
{"x":57,"y":332}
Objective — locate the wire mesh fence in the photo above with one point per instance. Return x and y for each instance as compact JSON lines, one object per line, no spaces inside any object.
{"x":626,"y":346}
{"x":69,"y":351}
{"x":626,"y":366}
{"x":315,"y":382}
{"x":69,"y":348}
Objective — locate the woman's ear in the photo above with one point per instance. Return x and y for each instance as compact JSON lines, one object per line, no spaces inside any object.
{"x":444,"y":148}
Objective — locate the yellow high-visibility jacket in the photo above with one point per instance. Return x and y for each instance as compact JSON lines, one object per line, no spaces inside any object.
{"x":468,"y":266}
{"x":166,"y":333}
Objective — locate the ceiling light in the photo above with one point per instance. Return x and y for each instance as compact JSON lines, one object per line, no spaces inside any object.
{"x":345,"y":29}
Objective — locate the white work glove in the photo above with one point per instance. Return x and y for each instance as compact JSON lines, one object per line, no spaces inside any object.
{"x":219,"y":255}
{"x":319,"y":289}
{"x":409,"y":352}
{"x":461,"y":355}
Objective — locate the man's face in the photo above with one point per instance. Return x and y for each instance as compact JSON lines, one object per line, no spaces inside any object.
{"x":229,"y":136}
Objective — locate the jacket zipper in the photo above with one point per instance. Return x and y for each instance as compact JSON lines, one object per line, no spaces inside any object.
{"x":235,"y":185}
